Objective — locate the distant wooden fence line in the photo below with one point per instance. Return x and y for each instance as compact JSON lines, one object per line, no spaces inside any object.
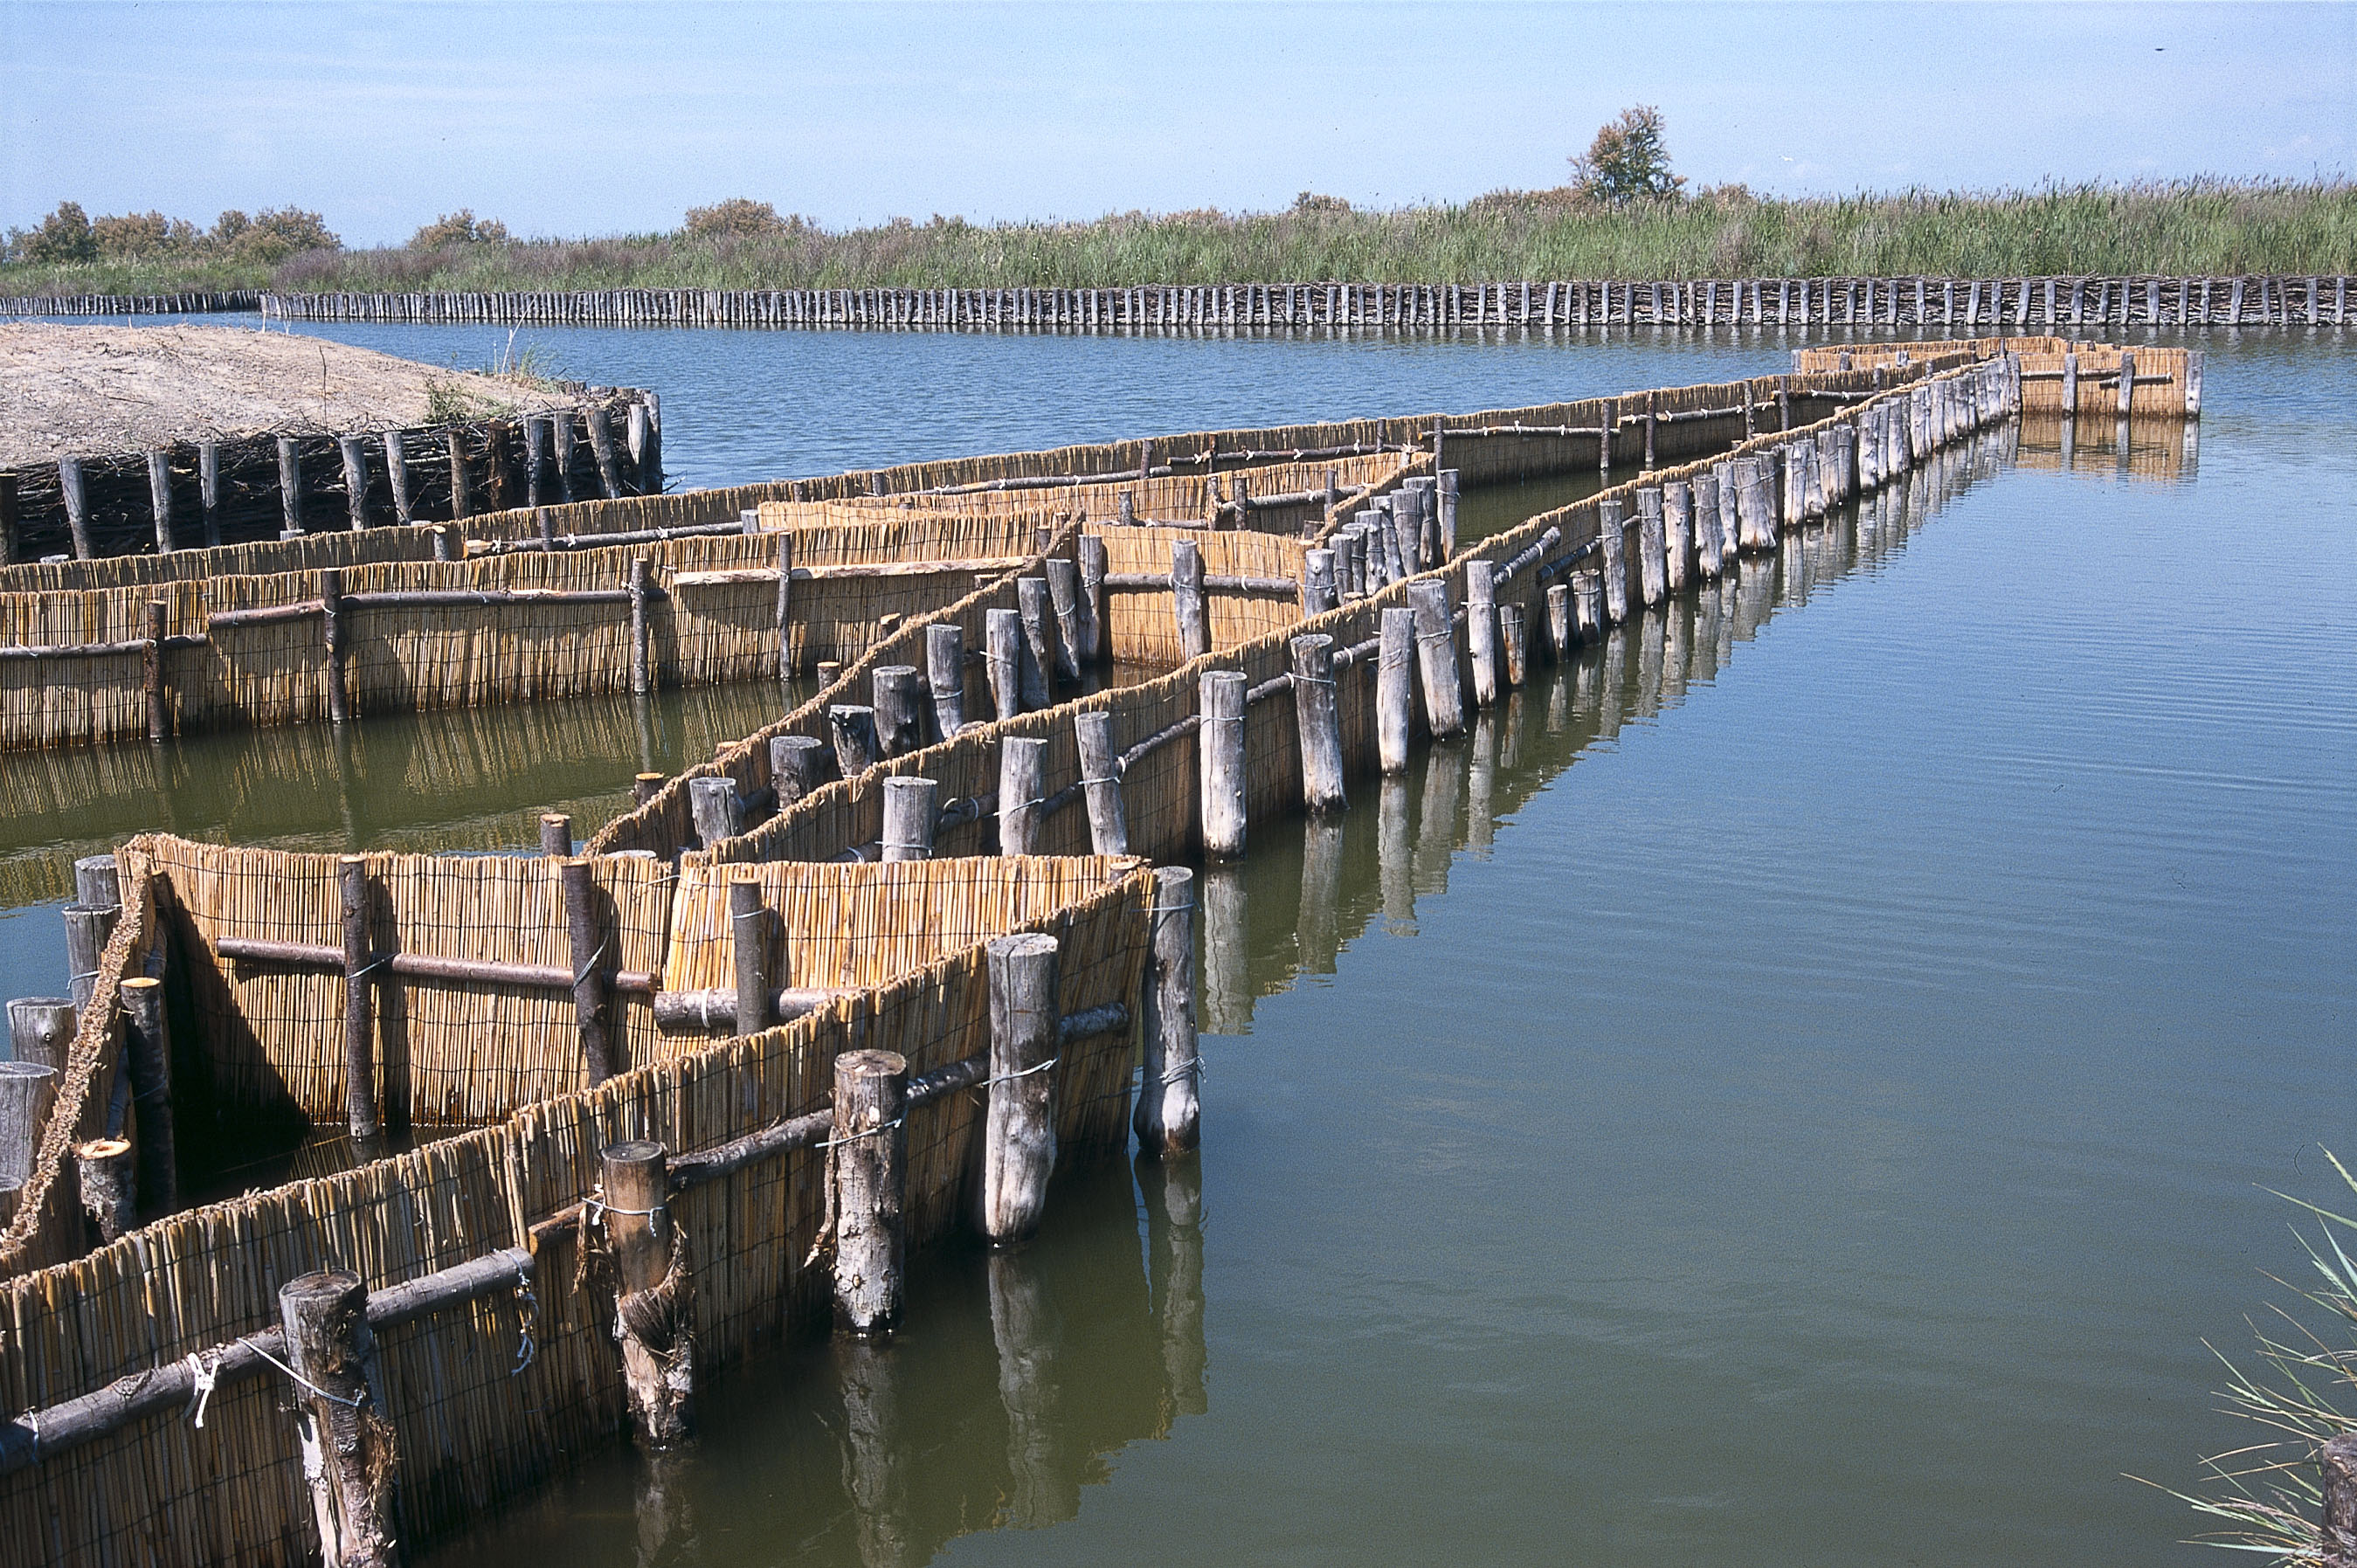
{"x":1857,"y":302}
{"x":190,"y":495}
{"x":201,"y":303}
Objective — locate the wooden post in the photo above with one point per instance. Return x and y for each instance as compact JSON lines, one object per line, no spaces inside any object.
{"x":348,"y":1445}
{"x":715,"y":808}
{"x":654,"y":1297}
{"x":642,"y":659}
{"x":355,"y":462}
{"x":41,"y":1029}
{"x":1445,"y":494}
{"x":1169,"y":1115}
{"x":2069,"y":383}
{"x":1187,"y":600}
{"x":359,"y":1013}
{"x":396,"y":474}
{"x":646,"y":468}
{"x":1094,"y":562}
{"x":151,"y":672}
{"x":159,"y":496}
{"x":1513,"y":644}
{"x":103,"y":1171}
{"x":1220,"y":752}
{"x":461,"y":504}
{"x":1064,"y":595}
{"x":12,"y":550}
{"x":1019,"y":1126}
{"x":1022,"y":783}
{"x":1481,"y":629}
{"x":1677,"y":525}
{"x":1394,"y":688}
{"x":2128,"y":382}
{"x":77,"y":505}
{"x":585,"y":946}
{"x":853,"y":731}
{"x":535,"y":459}
{"x":866,"y":1154}
{"x":1651,"y":547}
{"x":601,"y":446}
{"x":332,"y":630}
{"x":2336,"y":1462}
{"x":28,"y":1091}
{"x":1435,"y":655}
{"x":1558,"y":621}
{"x":1587,"y":607}
{"x":1318,"y":593}
{"x":1038,"y":658}
{"x":1101,"y":782}
{"x":1612,"y":545}
{"x":797,"y":766}
{"x":945,"y":674}
{"x":148,"y":1057}
{"x":899,"y":710}
{"x":1003,"y":660}
{"x":749,"y":937}
{"x":645,"y":787}
{"x":1651,"y":414}
{"x":290,"y":488}
{"x":88,"y":927}
{"x":555,"y":835}
{"x":911,"y":808}
{"x":785,"y":606}
{"x":1317,"y":721}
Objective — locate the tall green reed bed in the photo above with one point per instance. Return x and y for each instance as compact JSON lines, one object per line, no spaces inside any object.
{"x":2192,"y":228}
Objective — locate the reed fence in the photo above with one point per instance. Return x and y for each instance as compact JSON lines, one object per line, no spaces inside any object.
{"x":201,"y":303}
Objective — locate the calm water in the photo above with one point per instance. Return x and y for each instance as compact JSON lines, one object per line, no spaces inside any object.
{"x":1802,"y":1098}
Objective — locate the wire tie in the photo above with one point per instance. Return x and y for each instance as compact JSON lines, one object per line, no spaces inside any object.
{"x":368,"y":969}
{"x":586,"y":969}
{"x":1026,"y":1072}
{"x":865,"y":1133}
{"x":352,"y":1403}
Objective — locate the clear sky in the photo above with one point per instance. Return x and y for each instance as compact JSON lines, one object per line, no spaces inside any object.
{"x":578,"y":119}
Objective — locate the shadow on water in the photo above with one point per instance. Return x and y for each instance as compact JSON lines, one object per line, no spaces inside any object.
{"x":1017,"y":1378}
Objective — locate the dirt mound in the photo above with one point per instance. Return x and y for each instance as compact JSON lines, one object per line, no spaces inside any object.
{"x":85,"y":390}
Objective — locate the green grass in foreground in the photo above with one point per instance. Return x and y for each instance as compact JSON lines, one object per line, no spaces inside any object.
{"x":2185,"y":228}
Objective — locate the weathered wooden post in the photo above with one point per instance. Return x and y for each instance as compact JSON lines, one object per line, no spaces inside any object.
{"x":2127,"y":382}
{"x":715,"y":808}
{"x":1318,"y":593}
{"x":653,"y":1292}
{"x":348,"y":1445}
{"x":2337,"y":1464}
{"x":290,"y":488}
{"x":899,"y":710}
{"x":28,"y":1091}
{"x":159,"y":496}
{"x":88,"y":927}
{"x":332,"y":635}
{"x":645,"y":787}
{"x":1436,"y":657}
{"x":1317,"y":721}
{"x":642,"y":659}
{"x":1513,"y":644}
{"x":1039,"y":657}
{"x":1022,"y":784}
{"x":785,"y":606}
{"x":555,"y":835}
{"x":1019,"y":1126}
{"x":1652,"y":550}
{"x":1003,"y":660}
{"x":585,"y":949}
{"x":41,"y":1029}
{"x":853,"y":728}
{"x":396,"y":479}
{"x":147,"y":1060}
{"x":1093,"y":561}
{"x":867,"y":1155}
{"x":354,"y":457}
{"x":1187,"y":600}
{"x":1558,"y":621}
{"x":798,"y":765}
{"x":1445,"y":495}
{"x":1587,"y":606}
{"x":911,"y":811}
{"x":1481,"y":629}
{"x":945,"y":677}
{"x":1064,"y":595}
{"x":359,"y":1013}
{"x":1101,"y":782}
{"x":601,"y":449}
{"x":1220,"y":752}
{"x":462,"y":504}
{"x":748,"y":938}
{"x":1169,"y":1115}
{"x":1394,"y":688}
{"x":104,"y":1174}
{"x":1612,"y":545}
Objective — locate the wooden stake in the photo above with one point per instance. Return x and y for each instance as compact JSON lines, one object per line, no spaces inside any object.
{"x":461,"y":504}
{"x":945,"y":676}
{"x":1318,"y":593}
{"x":396,"y":474}
{"x":41,"y":1029}
{"x":1436,"y":658}
{"x":1447,"y":496}
{"x":348,"y":1445}
{"x":1101,"y":782}
{"x":899,"y":710}
{"x":147,"y":1057}
{"x":151,"y":672}
{"x":645,"y":787}
{"x":1513,"y":644}
{"x":641,"y":660}
{"x":1093,"y":554}
{"x":359,"y":1020}
{"x":798,"y":765}
{"x":1038,"y":656}
{"x":601,"y":446}
{"x":585,"y":944}
{"x":1064,"y":594}
{"x":159,"y":497}
{"x":332,"y":600}
{"x":1003,"y":660}
{"x":1220,"y":752}
{"x":1481,"y":629}
{"x":1019,"y":1127}
{"x":749,"y":937}
{"x":1586,"y":608}
{"x":290,"y":488}
{"x":715,"y":808}
{"x":1187,"y":600}
{"x":1677,"y":523}
{"x":1318,"y":721}
{"x":1558,"y":621}
{"x":1653,"y":569}
{"x":88,"y":928}
{"x":654,"y":1296}
{"x":1612,"y":543}
{"x":785,"y":606}
{"x":1022,"y":783}
{"x":103,"y":1169}
{"x":555,"y":835}
{"x":911,"y":809}
{"x":867,"y":1153}
{"x":2336,"y":1462}
{"x":28,"y":1090}
{"x":535,"y":459}
{"x":1169,"y":1115}
{"x":854,"y":729}
{"x":1394,"y":688}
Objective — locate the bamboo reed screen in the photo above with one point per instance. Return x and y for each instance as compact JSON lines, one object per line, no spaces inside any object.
{"x":1141,"y":624}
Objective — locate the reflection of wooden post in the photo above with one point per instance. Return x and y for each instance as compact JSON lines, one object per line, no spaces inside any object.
{"x":1174,"y":1213}
{"x":1227,"y":986}
{"x":1019,"y":1127}
{"x":867,"y":1152}
{"x":1168,"y":1114}
{"x":875,"y":1477}
{"x":1023,"y":1324}
{"x":653,"y":1306}
{"x":348,"y":1452}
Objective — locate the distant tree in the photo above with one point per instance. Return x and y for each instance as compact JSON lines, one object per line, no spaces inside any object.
{"x":459,"y":228}
{"x":64,"y":236}
{"x":1310,"y":201}
{"x":1626,"y":162}
{"x":739,"y":218}
{"x":135,"y":236}
{"x":275,"y":233}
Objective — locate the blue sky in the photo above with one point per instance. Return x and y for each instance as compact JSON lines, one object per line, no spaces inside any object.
{"x":565,"y":119}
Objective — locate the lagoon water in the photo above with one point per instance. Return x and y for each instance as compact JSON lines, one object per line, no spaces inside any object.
{"x":1799,"y":1087}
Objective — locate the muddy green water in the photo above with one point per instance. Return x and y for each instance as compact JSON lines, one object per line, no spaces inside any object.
{"x":1796,"y":1087}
